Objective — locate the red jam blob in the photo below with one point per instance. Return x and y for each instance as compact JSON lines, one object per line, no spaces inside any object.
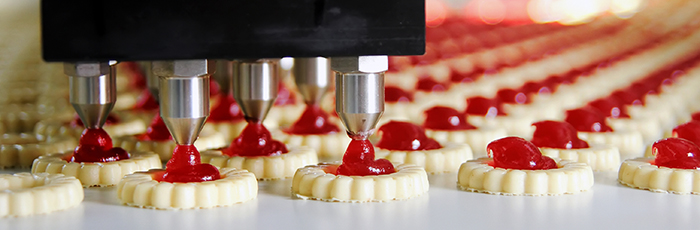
{"x":558,"y":135}
{"x":255,"y":140}
{"x":689,"y":131}
{"x":186,"y":166}
{"x":536,"y":88}
{"x":627,"y":97}
{"x":696,"y":116}
{"x":484,"y":107}
{"x":587,"y":120}
{"x":397,"y":135}
{"x":446,"y":118}
{"x":225,"y":110}
{"x":518,"y":153}
{"x":157,"y":131}
{"x":396,"y":94}
{"x":95,"y":145}
{"x":458,"y":77}
{"x":111,"y":119}
{"x":214,"y":88}
{"x":313,"y":121}
{"x":428,"y":84}
{"x":146,"y":102}
{"x":284,"y":96}
{"x":676,"y":153}
{"x":512,"y":96}
{"x":359,"y":161}
{"x":610,"y":107}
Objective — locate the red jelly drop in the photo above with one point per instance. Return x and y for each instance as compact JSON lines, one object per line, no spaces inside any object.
{"x":676,"y":153}
{"x":255,"y":140}
{"x":157,"y":131}
{"x":696,"y":116}
{"x":610,"y":107}
{"x":313,"y":121}
{"x":284,"y":96}
{"x":214,"y":88}
{"x":627,"y":97}
{"x":458,"y":77}
{"x":557,"y":134}
{"x":186,"y":166}
{"x":484,"y":107}
{"x":428,"y":84}
{"x":225,"y":110}
{"x":518,"y":153}
{"x":446,"y":118}
{"x":95,"y":145}
{"x":396,"y":94}
{"x":587,"y":120}
{"x":397,"y":135}
{"x":146,"y":102}
{"x":536,"y":88}
{"x":512,"y":96}
{"x":111,"y":119}
{"x":359,"y":161}
{"x":689,"y":131}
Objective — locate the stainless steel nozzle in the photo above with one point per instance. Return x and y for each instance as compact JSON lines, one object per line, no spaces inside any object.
{"x":184,"y":97}
{"x":223,"y":74}
{"x":152,"y":81}
{"x":92,"y":91}
{"x":255,"y":85}
{"x":313,"y":78}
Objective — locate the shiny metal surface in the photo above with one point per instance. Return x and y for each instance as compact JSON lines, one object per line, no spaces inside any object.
{"x":359,"y":102}
{"x":223,"y":75}
{"x":92,"y":91}
{"x":363,"y":64}
{"x":255,"y":85}
{"x":152,"y":81}
{"x":313,"y":77}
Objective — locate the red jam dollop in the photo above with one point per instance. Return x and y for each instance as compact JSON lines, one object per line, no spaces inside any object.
{"x":397,"y":135}
{"x":558,"y":135}
{"x":146,"y":102}
{"x":313,"y":121}
{"x":396,"y":94}
{"x":111,"y":119}
{"x":484,"y":107}
{"x":627,"y":97}
{"x":689,"y":131}
{"x":676,"y":153}
{"x":536,"y":88}
{"x":428,"y":84}
{"x":186,"y":166}
{"x":696,"y":116}
{"x":518,"y":153}
{"x":587,"y":120}
{"x":255,"y":140}
{"x":225,"y":110}
{"x":512,"y":96}
{"x":284,"y":96}
{"x":359,"y":161}
{"x":95,"y":145}
{"x":446,"y":118}
{"x":610,"y":107}
{"x":157,"y":131}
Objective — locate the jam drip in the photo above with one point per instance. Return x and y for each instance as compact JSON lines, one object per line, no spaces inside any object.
{"x":689,"y":131}
{"x":446,"y":118}
{"x":313,"y":121}
{"x":255,"y":140}
{"x":396,"y":94}
{"x":398,"y":135}
{"x":225,"y":110}
{"x":558,"y":135}
{"x":157,"y":131}
{"x":146,"y":102}
{"x":518,"y":153}
{"x":676,"y":153}
{"x":484,"y":107}
{"x":359,"y":161}
{"x":111,"y":119}
{"x":95,"y":145}
{"x":186,"y":166}
{"x":587,"y":120}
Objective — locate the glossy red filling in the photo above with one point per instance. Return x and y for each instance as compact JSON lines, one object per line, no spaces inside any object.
{"x":512,"y":96}
{"x":557,"y":134}
{"x":95,"y":145}
{"x":689,"y":131}
{"x":696,"y":116}
{"x":610,"y":107}
{"x":446,"y":118}
{"x":111,"y":119}
{"x":396,"y":94}
{"x":225,"y":110}
{"x":518,"y":153}
{"x":676,"y":153}
{"x":628,"y":98}
{"x":428,"y":84}
{"x":313,"y":121}
{"x":484,"y":107}
{"x":359,"y":161}
{"x":214,"y":88}
{"x":255,"y":140}
{"x":284,"y":96}
{"x":146,"y":102}
{"x":536,"y":88}
{"x":157,"y":131}
{"x":458,"y":77}
{"x":186,"y":166}
{"x":397,"y":135}
{"x":587,"y":120}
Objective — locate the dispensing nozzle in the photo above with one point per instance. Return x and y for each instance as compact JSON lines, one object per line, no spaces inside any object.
{"x":92,"y":90}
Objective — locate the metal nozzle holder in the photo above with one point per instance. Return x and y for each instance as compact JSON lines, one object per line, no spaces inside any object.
{"x":255,"y":84}
{"x":223,"y":75}
{"x":184,"y":97}
{"x":312,"y":77}
{"x":152,"y":81}
{"x":92,"y":91}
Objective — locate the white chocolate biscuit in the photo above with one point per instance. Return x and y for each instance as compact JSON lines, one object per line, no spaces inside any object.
{"x":96,"y":174}
{"x":20,"y":150}
{"x":60,"y":127}
{"x":629,"y":143}
{"x":642,"y":174}
{"x":25,"y":194}
{"x":142,"y":190}
{"x":477,"y":139}
{"x":600,"y":158}
{"x":164,"y":149}
{"x":478,"y":176}
{"x":648,"y":127}
{"x":328,"y":146}
{"x":229,"y":130}
{"x":312,"y":182}
{"x":520,"y":125}
{"x":20,"y":118}
{"x":284,"y":115}
{"x":265,"y":167}
{"x":442,"y":160}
